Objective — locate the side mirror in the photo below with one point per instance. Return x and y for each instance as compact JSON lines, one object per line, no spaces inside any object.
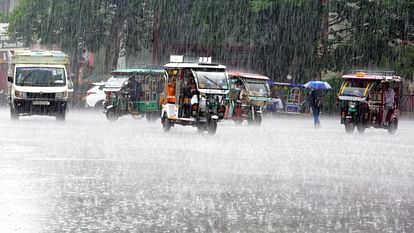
{"x":10,"y":79}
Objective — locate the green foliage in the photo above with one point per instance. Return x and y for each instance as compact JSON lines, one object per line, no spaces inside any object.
{"x":262,"y":4}
{"x":273,"y":37}
{"x":331,"y":96}
{"x":258,"y":5}
{"x":76,"y":25}
{"x":3,"y":17}
{"x":373,"y":33}
{"x":403,"y":61}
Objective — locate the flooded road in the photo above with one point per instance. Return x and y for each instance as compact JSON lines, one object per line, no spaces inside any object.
{"x":90,"y":175}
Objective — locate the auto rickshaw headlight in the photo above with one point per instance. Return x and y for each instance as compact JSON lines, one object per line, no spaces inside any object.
{"x":352,"y":104}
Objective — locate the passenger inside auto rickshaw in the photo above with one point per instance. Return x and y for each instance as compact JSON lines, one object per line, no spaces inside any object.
{"x":135,"y":91}
{"x":171,"y":90}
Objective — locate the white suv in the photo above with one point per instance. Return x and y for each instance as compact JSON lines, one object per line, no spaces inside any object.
{"x":95,"y":96}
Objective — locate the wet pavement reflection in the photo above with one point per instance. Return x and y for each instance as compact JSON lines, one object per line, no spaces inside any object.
{"x":90,"y":175}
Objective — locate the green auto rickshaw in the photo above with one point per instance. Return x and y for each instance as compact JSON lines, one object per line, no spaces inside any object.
{"x":248,"y":96}
{"x":134,"y":92}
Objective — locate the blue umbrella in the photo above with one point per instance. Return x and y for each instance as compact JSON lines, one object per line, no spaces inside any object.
{"x":317,"y":85}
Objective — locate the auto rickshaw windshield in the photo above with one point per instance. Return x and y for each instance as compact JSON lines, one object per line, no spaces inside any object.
{"x":211,"y":79}
{"x":257,"y":87}
{"x":117,"y":80}
{"x":356,"y":87}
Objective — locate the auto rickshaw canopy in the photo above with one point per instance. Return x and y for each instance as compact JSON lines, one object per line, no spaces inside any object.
{"x":382,"y":76}
{"x":247,"y":75}
{"x":137,"y":71}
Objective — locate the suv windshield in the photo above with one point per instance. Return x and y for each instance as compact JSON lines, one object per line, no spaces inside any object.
{"x":257,"y":88}
{"x":211,"y":79}
{"x":355,"y":88}
{"x":40,"y":76}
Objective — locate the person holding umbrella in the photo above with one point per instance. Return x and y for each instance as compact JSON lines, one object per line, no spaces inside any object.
{"x":316,"y":97}
{"x":315,"y":102}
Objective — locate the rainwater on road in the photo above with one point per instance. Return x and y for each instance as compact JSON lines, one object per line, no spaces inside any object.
{"x":90,"y":175}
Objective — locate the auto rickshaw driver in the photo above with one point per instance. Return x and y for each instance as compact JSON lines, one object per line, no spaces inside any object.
{"x":244,"y":101}
{"x":186,"y":93}
{"x":171,"y":90}
{"x":238,"y":92}
{"x":190,"y":92}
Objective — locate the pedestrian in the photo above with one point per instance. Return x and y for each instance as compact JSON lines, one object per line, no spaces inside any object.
{"x":389,"y":102}
{"x":315,"y":102}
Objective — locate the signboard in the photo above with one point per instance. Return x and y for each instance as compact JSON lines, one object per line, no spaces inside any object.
{"x":5,"y":41}
{"x":7,"y":44}
{"x":176,"y":58}
{"x":205,"y":60}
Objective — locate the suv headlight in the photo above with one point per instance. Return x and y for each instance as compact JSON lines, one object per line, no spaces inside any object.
{"x":61,"y":95}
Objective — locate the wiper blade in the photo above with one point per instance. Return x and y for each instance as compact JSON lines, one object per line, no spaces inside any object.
{"x":26,"y":77}
{"x":215,"y":83}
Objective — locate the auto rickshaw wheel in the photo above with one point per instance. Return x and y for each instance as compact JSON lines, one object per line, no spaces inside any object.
{"x":111,"y":115}
{"x":99,"y":105}
{"x":238,"y":121}
{"x":166,"y":123}
{"x":152,"y":116}
{"x":201,"y":128}
{"x":212,"y":127}
{"x":349,"y":127}
{"x":393,"y":126}
{"x":361,"y":128}
{"x":258,"y":119}
{"x":137,"y":116}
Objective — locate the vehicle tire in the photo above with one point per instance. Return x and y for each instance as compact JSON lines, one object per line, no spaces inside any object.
{"x":166,"y":123}
{"x":258,"y":119}
{"x":349,"y":127}
{"x":200,"y":128}
{"x":250,"y":122}
{"x":14,"y":115}
{"x":212,"y":127}
{"x":138,"y":117}
{"x":361,"y":128}
{"x":111,"y":115}
{"x":392,"y":126}
{"x":238,"y":121}
{"x":98,"y":106}
{"x":61,"y":116}
{"x":152,"y":116}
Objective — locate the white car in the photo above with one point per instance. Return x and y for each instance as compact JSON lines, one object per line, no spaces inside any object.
{"x":95,"y":96}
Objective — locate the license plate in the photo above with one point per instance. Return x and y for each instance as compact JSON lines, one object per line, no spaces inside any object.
{"x":41,"y":103}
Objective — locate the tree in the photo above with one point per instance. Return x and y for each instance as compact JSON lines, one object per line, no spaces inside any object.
{"x":372,"y":31}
